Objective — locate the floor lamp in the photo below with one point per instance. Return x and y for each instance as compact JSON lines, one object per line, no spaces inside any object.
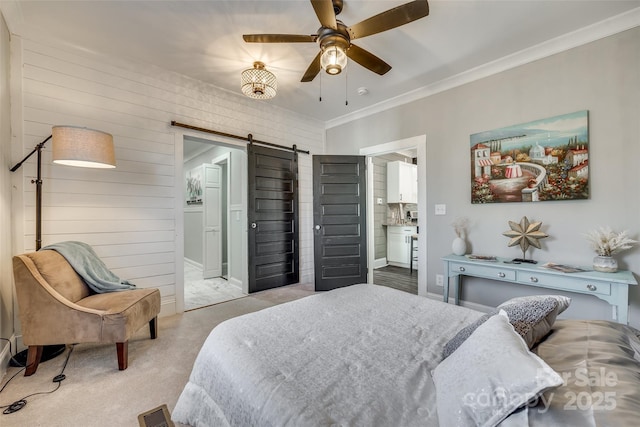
{"x":72,"y":146}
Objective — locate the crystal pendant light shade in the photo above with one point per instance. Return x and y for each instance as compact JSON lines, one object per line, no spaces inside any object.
{"x":333,"y":60}
{"x":258,"y":83}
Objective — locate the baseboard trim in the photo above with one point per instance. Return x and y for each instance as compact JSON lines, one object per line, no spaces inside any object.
{"x":467,"y":304}
{"x":193,"y":263}
{"x":167,"y":307}
{"x":235,"y":282}
{"x":380,"y":262}
{"x":5,"y":354}
{"x":398,"y":264}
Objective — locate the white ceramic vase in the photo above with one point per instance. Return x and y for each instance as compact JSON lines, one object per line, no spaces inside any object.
{"x":605,"y":264}
{"x":459,"y":246}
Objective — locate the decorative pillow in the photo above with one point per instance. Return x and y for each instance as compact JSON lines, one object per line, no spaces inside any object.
{"x":598,"y":360}
{"x":563,"y":302}
{"x":491,"y":375}
{"x":463,"y":334}
{"x":531,"y":316}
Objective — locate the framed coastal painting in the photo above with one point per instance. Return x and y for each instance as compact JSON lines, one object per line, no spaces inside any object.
{"x":543,"y":160}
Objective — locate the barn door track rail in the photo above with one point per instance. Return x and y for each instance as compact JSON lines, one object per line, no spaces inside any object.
{"x":248,"y":138}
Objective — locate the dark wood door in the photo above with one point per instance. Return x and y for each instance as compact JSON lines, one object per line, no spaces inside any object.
{"x":339,"y":215}
{"x":273,"y":218}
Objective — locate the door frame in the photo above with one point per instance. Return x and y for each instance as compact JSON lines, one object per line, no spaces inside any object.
{"x":419,"y":143}
{"x":224,"y":162}
{"x":179,"y":190}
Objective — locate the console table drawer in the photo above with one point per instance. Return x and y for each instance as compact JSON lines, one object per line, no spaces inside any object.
{"x":488,"y":271}
{"x":574,"y":284}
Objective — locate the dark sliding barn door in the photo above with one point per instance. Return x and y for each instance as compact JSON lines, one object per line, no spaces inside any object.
{"x":273,"y":218}
{"x":339,"y":215}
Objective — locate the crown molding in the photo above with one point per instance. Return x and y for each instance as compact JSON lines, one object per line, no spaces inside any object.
{"x":582,"y":36}
{"x":12,"y":13}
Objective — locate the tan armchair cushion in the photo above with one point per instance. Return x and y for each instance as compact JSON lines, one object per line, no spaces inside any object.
{"x":123,"y":313}
{"x":58,"y":273}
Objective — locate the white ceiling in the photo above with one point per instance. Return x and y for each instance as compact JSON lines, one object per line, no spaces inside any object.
{"x":203,"y":40}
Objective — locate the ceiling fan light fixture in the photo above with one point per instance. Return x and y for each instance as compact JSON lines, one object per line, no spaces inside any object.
{"x":333,"y":60}
{"x":258,"y":83}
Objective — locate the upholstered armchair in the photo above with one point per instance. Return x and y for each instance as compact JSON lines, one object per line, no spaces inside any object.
{"x":57,"y":307}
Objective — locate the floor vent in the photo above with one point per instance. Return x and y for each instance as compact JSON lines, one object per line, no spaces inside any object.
{"x":157,"y":417}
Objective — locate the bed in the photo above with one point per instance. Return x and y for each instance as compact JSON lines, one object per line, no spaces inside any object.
{"x":367,"y":355}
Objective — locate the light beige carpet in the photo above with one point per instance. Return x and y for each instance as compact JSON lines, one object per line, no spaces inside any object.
{"x":95,"y":393}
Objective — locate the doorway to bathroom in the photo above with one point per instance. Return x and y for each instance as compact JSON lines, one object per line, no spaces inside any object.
{"x":208,"y":229}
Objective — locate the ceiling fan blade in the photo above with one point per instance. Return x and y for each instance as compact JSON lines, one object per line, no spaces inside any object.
{"x":279,"y":38}
{"x":368,"y":60}
{"x":325,"y":13}
{"x":392,"y":18}
{"x":313,"y":70}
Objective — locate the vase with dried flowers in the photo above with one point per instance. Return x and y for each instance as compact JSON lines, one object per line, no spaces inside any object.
{"x":459,"y":245}
{"x":607,"y":242}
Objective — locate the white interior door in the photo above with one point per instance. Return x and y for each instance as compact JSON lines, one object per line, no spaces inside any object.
{"x":212,"y":217}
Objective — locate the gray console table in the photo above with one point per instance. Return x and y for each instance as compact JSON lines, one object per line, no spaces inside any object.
{"x":610,"y":287}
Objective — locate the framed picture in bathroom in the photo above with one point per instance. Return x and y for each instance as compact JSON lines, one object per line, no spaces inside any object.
{"x":193,"y":189}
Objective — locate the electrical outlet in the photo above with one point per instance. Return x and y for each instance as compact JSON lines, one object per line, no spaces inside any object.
{"x":441,"y":210}
{"x":439,"y":280}
{"x":379,"y":200}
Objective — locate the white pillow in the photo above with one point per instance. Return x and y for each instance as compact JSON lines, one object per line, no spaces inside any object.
{"x":489,"y":376}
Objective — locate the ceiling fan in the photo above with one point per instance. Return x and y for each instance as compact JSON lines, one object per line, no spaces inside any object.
{"x":334,"y":37}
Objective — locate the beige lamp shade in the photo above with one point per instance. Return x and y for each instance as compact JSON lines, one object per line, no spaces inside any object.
{"x":77,"y":146}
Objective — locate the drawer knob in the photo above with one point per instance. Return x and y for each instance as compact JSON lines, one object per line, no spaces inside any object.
{"x":592,"y":287}
{"x":461,"y":269}
{"x":534,"y":279}
{"x":501,"y":274}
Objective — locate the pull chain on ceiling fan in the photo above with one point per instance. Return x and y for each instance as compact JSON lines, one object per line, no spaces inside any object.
{"x":335,"y":38}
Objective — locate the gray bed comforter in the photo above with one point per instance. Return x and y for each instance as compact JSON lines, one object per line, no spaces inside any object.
{"x":355,"y":356}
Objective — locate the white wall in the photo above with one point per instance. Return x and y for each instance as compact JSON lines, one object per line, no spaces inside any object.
{"x":6,"y":275}
{"x":602,"y":77}
{"x":132,"y":215}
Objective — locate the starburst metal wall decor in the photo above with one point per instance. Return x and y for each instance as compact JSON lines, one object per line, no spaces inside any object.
{"x":525,"y":234}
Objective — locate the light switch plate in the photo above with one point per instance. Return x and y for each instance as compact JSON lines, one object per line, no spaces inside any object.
{"x":441,"y":210}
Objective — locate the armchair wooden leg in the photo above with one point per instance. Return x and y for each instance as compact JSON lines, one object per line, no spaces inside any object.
{"x":33,"y":359}
{"x":153,"y":327}
{"x":123,"y":354}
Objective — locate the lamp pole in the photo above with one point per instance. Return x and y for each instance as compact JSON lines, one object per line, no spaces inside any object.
{"x":48,"y":351}
{"x":38,"y":181}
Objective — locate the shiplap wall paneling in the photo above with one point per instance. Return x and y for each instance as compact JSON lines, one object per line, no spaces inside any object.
{"x":129,"y":214}
{"x":380,"y":211}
